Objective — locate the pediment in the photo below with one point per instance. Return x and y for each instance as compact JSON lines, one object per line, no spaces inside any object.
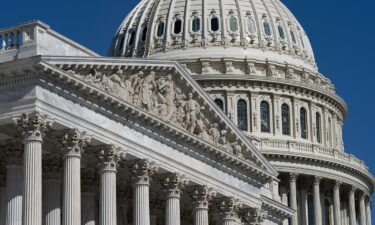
{"x":161,"y":91}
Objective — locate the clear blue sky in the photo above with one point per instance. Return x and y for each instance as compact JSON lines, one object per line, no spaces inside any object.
{"x":341,"y":31}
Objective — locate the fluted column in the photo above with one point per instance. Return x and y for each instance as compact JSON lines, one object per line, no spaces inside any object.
{"x":317,"y":204}
{"x":173,"y":186}
{"x":109,"y":156}
{"x":362,"y":210}
{"x":336,"y":203}
{"x":229,"y":209}
{"x":13,"y":151}
{"x":202,"y":196}
{"x":3,"y":195}
{"x":368,"y":211}
{"x":32,"y":127}
{"x":143,"y":170}
{"x":73,"y":143}
{"x":293,"y":196}
{"x":52,"y":170}
{"x":88,"y":203}
{"x":352,"y":214}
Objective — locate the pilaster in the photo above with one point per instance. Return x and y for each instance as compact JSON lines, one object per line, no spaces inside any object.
{"x":293,"y":196}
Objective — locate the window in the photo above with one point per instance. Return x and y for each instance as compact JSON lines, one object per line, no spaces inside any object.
{"x":265,"y":117}
{"x":318,"y":128}
{"x":303,"y":118}
{"x":121,"y":46}
{"x":251,"y":25}
{"x":144,"y":34}
{"x":242,"y":115}
{"x":233,"y":24}
{"x":131,"y":38}
{"x":215,"y":24}
{"x":285,"y":119}
{"x":267,"y":28}
{"x":196,"y":24}
{"x":160,"y":30}
{"x":310,"y":207}
{"x":219,"y":103}
{"x":177,"y":26}
{"x":292,"y":34}
{"x":281,"y":32}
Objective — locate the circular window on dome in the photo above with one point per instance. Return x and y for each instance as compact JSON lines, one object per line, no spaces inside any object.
{"x":267,"y":28}
{"x":251,"y":25}
{"x":281,"y":32}
{"x":160,"y":29}
{"x":215,"y":26}
{"x":233,"y":24}
{"x":177,"y":26}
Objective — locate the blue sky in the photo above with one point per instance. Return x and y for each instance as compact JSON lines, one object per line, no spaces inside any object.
{"x":342,"y":34}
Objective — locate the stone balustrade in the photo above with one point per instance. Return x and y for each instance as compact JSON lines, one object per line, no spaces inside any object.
{"x":18,"y":36}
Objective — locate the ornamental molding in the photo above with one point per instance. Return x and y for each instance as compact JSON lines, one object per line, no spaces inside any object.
{"x":32,"y":126}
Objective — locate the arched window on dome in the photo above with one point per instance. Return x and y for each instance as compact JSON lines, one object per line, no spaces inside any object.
{"x":242,"y":119}
{"x":318,"y":127}
{"x":285,"y":119}
{"x":215,"y":25}
{"x":251,"y":25}
{"x":144,"y":34}
{"x":293,"y":35}
{"x":267,"y":28}
{"x":303,"y":121}
{"x":311,"y":210}
{"x":219,"y":103}
{"x":265,"y":117}
{"x":131,"y":38}
{"x":233,"y":24}
{"x":281,"y":32}
{"x":177,"y":26}
{"x":196,"y":24}
{"x":160,"y":29}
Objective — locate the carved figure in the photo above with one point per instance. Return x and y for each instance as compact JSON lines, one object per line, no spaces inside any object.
{"x":168,"y":93}
{"x":192,"y":108}
{"x":224,"y":143}
{"x":215,"y":133}
{"x":146,"y":88}
{"x":131,"y":83}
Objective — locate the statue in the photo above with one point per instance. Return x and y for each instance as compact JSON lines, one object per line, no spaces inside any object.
{"x":146,"y":88}
{"x":168,"y":93}
{"x":131,"y":83}
{"x":215,"y":133}
{"x":192,"y":108}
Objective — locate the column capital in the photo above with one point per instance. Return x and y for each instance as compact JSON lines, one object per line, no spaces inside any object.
{"x":293,"y":177}
{"x":202,"y":195}
{"x":74,"y":141}
{"x":143,"y":170}
{"x":109,"y":156}
{"x":12,"y":150}
{"x":337,"y":184}
{"x":353,"y":189}
{"x":174,"y":183}
{"x":229,"y":207}
{"x":32,"y":126}
{"x":253,"y":216}
{"x":88,"y":179}
{"x":317,"y":180}
{"x":52,"y":167}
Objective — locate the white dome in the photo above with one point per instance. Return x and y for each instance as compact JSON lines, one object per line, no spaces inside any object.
{"x":262,"y":30}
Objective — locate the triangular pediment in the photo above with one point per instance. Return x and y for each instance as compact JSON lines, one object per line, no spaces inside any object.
{"x":165,"y":94}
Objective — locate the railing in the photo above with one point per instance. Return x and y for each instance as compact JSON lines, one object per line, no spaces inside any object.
{"x":269,"y":145}
{"x":16,"y":37}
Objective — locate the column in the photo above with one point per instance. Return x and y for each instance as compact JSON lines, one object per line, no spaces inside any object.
{"x":88,"y":207}
{"x":52,"y":170}
{"x":109,"y":157}
{"x":33,"y":128}
{"x":284,"y":200}
{"x":317,"y":205}
{"x":293,"y":196}
{"x":3,"y":196}
{"x":352,"y":214}
{"x":304,"y":209}
{"x":142,"y":171}
{"x":362,"y":209}
{"x":14,"y":182}
{"x":73,"y":144}
{"x":368,"y":211}
{"x":229,"y":209}
{"x":173,"y":185}
{"x":336,"y":203}
{"x":202,"y":195}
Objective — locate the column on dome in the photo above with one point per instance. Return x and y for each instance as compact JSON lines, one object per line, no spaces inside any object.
{"x":73,"y":142}
{"x":368,"y":210}
{"x":317,"y":202}
{"x":52,"y":169}
{"x":336,"y":203}
{"x":293,"y":196}
{"x":173,"y":185}
{"x":3,"y":193}
{"x":362,"y":210}
{"x":13,"y":151}
{"x":229,"y":209}
{"x":304,"y":211}
{"x":109,"y":157}
{"x":32,"y":127}
{"x":142,"y":171}
{"x":88,"y":207}
{"x":202,"y":196}
{"x":352,"y":213}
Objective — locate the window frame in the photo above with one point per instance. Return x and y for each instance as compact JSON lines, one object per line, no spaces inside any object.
{"x":157,"y":30}
{"x":246,"y":117}
{"x":289,"y":133}
{"x":268,"y":130}
{"x":269,"y":28}
{"x":304,"y":133}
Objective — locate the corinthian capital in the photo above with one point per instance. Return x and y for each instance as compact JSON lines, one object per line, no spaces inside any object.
{"x":33,"y":126}
{"x":293,"y":177}
{"x":253,"y":216}
{"x":12,"y":151}
{"x":109,"y":156}
{"x":317,"y":180}
{"x":229,"y":207}
{"x":174,"y":183}
{"x":74,"y":142}
{"x":143,"y":170}
{"x":202,"y":195}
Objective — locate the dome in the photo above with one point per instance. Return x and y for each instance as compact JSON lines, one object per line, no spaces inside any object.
{"x":261,"y":30}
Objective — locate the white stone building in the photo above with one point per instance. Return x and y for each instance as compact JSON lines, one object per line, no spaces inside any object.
{"x":206,"y":112}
